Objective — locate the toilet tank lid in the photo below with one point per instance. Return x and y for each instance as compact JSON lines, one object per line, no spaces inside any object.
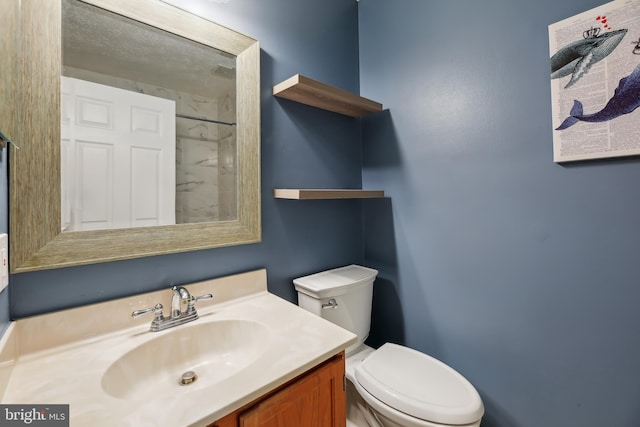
{"x":335,"y":282}
{"x":419,"y":385}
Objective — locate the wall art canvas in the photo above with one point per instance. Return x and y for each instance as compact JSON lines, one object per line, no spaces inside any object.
{"x":595,"y":83}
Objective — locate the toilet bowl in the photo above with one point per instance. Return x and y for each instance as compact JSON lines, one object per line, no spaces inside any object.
{"x":392,"y":386}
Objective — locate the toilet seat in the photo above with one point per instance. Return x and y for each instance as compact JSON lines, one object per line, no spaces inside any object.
{"x":418,"y":385}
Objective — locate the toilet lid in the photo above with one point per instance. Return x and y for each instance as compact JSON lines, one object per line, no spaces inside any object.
{"x":419,"y":385}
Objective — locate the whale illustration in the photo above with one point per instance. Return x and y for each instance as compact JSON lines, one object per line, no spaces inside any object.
{"x":578,"y":57}
{"x":625,"y":99}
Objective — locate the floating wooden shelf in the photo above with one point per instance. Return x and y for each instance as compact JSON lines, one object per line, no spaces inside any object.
{"x":319,"y":194}
{"x":321,"y":95}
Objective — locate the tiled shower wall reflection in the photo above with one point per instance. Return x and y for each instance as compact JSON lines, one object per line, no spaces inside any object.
{"x":206,"y":161}
{"x":227,"y":159}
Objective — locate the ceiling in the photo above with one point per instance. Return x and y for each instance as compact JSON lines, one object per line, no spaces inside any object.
{"x":103,"y":42}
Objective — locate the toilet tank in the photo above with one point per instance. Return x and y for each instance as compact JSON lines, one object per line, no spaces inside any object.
{"x":342,"y":296}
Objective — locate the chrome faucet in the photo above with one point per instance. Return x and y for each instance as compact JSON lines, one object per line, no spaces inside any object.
{"x":179,"y":296}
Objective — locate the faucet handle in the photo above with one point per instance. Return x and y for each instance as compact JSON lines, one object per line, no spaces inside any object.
{"x":156,"y":310}
{"x":191,"y":306}
{"x":198,"y":298}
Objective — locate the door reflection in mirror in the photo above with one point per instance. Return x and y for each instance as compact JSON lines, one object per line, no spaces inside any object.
{"x":152,"y":138}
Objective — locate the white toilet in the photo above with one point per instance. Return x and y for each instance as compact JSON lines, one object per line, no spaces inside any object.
{"x":395,"y":386}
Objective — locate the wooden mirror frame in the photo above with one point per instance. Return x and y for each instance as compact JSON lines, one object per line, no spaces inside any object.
{"x":31,"y":75}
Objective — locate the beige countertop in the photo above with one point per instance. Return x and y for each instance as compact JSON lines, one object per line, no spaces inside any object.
{"x":60,"y":358}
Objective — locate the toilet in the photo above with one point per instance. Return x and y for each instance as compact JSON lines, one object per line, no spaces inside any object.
{"x":392,"y":386}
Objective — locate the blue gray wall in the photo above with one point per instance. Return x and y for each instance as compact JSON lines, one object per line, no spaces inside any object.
{"x":301,"y":146}
{"x":520,"y":273}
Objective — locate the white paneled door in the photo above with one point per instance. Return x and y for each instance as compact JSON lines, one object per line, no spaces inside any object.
{"x":118,"y":157}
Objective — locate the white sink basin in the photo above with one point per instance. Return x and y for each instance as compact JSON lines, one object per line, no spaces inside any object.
{"x":115,"y":372}
{"x":214,"y":350}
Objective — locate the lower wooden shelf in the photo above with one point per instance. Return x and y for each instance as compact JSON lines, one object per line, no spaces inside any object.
{"x":321,"y":194}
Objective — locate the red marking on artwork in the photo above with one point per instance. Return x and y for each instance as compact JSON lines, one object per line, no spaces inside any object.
{"x":603,"y":20}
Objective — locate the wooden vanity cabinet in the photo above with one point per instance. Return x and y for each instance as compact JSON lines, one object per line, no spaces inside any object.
{"x":316,"y":398}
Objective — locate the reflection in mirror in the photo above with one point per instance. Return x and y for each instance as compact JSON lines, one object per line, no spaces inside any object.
{"x":38,"y":119}
{"x":148,"y":125}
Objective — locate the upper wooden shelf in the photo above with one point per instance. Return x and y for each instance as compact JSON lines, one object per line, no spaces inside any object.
{"x":324,"y":194}
{"x":321,"y":95}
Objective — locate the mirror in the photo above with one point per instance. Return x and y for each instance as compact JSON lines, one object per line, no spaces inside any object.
{"x":148,"y":127}
{"x":44,"y":184}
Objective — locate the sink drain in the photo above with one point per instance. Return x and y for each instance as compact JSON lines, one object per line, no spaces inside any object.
{"x":188,"y":378}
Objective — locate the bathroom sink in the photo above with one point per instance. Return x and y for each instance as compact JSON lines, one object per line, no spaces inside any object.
{"x":214,"y":351}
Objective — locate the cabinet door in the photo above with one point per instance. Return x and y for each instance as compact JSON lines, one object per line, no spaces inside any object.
{"x":316,"y":400}
{"x":228,"y":421}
